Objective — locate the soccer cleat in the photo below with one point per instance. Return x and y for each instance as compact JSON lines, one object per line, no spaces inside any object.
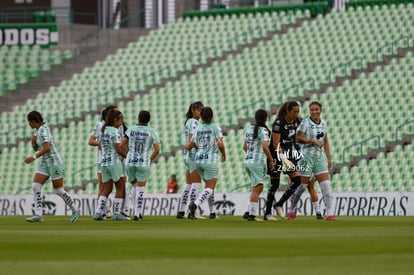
{"x":279,"y":211}
{"x":198,"y":217}
{"x":213,"y":216}
{"x":192,"y":207}
{"x":75,"y":216}
{"x":246,"y":215}
{"x":319,"y":216}
{"x":107,"y":214}
{"x":291,"y":215}
{"x":269,"y":217}
{"x":138,"y":218}
{"x":126,"y":215}
{"x":252,"y":218}
{"x":181,"y":215}
{"x":119,"y":217}
{"x":98,"y":217}
{"x":331,"y":218}
{"x":35,"y":218}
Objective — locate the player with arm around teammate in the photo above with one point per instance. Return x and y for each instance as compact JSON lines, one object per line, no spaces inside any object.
{"x":94,"y":140}
{"x":312,"y":133}
{"x":50,"y":165}
{"x":193,"y":179}
{"x":208,"y":139}
{"x":111,"y":165}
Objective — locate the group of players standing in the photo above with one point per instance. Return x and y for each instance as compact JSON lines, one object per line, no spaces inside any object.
{"x":268,"y":152}
{"x":297,"y":148}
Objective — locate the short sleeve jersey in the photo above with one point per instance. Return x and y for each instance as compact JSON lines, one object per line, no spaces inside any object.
{"x":97,"y":133}
{"x":140,"y":140}
{"x":287,"y":133}
{"x":108,"y":140}
{"x":313,"y":130}
{"x":255,"y":153}
{"x":52,"y":157}
{"x":205,"y":138}
{"x":190,"y":127}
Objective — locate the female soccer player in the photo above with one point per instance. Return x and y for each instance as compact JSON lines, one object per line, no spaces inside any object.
{"x":111,"y":165}
{"x":208,"y":140}
{"x":94,"y":141}
{"x":256,"y":146}
{"x":192,"y":176}
{"x":283,"y":140}
{"x":139,"y":139}
{"x":312,"y":133}
{"x":50,"y":165}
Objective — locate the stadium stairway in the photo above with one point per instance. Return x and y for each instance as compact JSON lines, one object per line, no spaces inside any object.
{"x":55,"y":78}
{"x":84,"y":54}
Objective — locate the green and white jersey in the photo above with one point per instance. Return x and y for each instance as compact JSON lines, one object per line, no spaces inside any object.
{"x":255,"y":153}
{"x":313,"y":130}
{"x":190,"y":127}
{"x":97,"y":133}
{"x":52,"y":157}
{"x":141,"y":139}
{"x":205,"y":137}
{"x":109,"y":138}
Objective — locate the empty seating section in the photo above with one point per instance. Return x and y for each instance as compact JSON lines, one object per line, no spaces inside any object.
{"x":375,"y":103}
{"x":387,"y":172}
{"x":19,"y":63}
{"x":369,"y":108}
{"x":162,"y":54}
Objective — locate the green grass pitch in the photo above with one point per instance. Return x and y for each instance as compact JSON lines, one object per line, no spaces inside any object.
{"x":230,"y":245}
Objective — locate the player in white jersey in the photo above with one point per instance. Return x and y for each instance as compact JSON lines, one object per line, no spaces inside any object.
{"x":312,"y":133}
{"x":139,"y":139}
{"x":111,"y":165}
{"x":256,"y":146}
{"x":208,"y":139}
{"x":50,"y":165}
{"x":193,"y":179}
{"x":94,"y":139}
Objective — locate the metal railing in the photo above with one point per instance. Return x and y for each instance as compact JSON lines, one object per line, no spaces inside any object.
{"x":393,"y":45}
{"x":360,"y":144}
{"x":398,"y":128}
{"x":344,"y":67}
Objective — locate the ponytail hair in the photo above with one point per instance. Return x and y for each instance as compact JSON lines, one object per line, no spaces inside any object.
{"x":35,"y":116}
{"x":207,"y":115}
{"x":285,"y":107}
{"x":193,"y":106}
{"x":105,"y":111}
{"x":260,"y":118}
{"x":110,"y":118}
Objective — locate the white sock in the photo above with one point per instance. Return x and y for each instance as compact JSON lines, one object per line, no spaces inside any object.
{"x":194,"y":191}
{"x":37,"y":198}
{"x":203,"y":196}
{"x":126,"y":202}
{"x":139,"y":199}
{"x":296,"y":196}
{"x":133,"y":195}
{"x":253,"y":206}
{"x":184,"y":197}
{"x":65,"y":197}
{"x":211,"y":203}
{"x":316,"y":207}
{"x":101,"y":204}
{"x":118,"y":205}
{"x":327,"y":197}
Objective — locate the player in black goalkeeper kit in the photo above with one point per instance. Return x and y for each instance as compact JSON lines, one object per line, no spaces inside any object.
{"x":284,"y":153}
